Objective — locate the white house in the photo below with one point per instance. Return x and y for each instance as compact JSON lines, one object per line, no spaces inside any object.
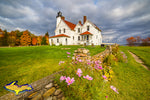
{"x":67,"y":33}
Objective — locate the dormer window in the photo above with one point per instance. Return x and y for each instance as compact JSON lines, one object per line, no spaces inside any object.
{"x":88,"y":28}
{"x":64,"y":30}
{"x":78,"y":30}
{"x":59,"y":30}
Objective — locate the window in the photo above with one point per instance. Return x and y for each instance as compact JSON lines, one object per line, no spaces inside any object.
{"x":57,"y":40}
{"x":88,"y":28}
{"x":73,"y":37}
{"x":78,"y":38}
{"x":78,"y":30}
{"x":59,"y":30}
{"x":64,"y":30}
{"x":96,"y":36}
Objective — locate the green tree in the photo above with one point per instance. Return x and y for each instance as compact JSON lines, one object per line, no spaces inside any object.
{"x":43,"y":41}
{"x":46,"y":34}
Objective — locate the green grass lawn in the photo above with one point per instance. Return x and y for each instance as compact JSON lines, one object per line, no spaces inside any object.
{"x":143,"y":53}
{"x":28,"y":64}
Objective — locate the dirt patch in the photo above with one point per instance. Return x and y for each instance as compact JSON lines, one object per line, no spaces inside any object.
{"x":137,"y":59}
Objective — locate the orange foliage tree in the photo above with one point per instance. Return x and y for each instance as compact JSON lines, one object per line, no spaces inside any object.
{"x":25,"y":39}
{"x":34,"y":41}
{"x":131,"y":40}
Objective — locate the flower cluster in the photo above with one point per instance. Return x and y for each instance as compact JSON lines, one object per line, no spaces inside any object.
{"x":98,"y":65}
{"x":71,"y":80}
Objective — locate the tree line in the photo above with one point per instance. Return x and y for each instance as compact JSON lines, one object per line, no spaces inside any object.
{"x":22,"y":38}
{"x":138,"y":41}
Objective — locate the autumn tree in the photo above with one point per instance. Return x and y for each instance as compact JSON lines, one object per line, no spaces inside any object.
{"x":1,"y":37}
{"x":11,"y":38}
{"x":146,"y":41}
{"x":18,"y":36}
{"x":4,"y":39}
{"x":138,"y":39}
{"x":34,"y":41}
{"x":39,"y":40}
{"x":47,"y":38}
{"x":25,"y":39}
{"x":131,"y":40}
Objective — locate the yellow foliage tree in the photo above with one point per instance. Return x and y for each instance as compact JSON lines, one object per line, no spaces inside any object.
{"x":25,"y":39}
{"x":39,"y":40}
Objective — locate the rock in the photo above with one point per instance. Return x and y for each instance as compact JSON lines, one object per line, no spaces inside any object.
{"x":49,"y":92}
{"x":57,"y":92}
{"x":54,"y":98}
{"x":75,"y":51}
{"x":49,"y":98}
{"x":85,"y":51}
{"x":63,"y":98}
{"x":83,"y":55}
{"x":60,"y":95}
{"x":49,"y":85}
{"x":38,"y":97}
{"x":55,"y":85}
{"x":32,"y":95}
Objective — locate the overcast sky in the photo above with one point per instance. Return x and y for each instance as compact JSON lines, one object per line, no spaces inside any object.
{"x":118,"y":19}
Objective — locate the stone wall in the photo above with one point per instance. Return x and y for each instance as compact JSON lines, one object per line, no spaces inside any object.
{"x":83,"y":54}
{"x":43,"y":89}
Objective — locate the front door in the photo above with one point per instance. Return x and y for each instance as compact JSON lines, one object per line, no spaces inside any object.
{"x":87,"y":37}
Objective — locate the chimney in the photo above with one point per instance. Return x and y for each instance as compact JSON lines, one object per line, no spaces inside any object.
{"x":84,"y":19}
{"x":63,"y":18}
{"x":80,"y":22}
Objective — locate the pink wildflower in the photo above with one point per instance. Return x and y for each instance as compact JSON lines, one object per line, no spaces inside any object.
{"x":77,"y":59}
{"x":79,"y":72}
{"x":61,"y":62}
{"x":80,"y":60}
{"x":88,"y":77}
{"x":100,"y":67}
{"x":114,"y":88}
{"x":106,"y":96}
{"x":75,"y":62}
{"x":69,"y":81}
{"x":104,"y":76}
{"x":68,"y":56}
{"x":68,"y":53}
{"x":62,"y":78}
{"x":88,"y":63}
